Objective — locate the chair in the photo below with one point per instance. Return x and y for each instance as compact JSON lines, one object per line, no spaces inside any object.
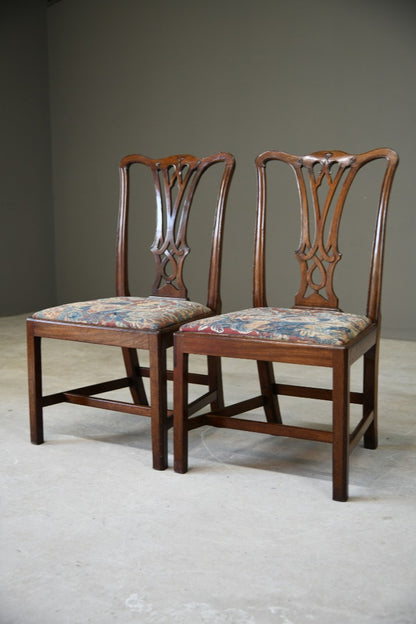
{"x":314,"y":332}
{"x":140,"y":322}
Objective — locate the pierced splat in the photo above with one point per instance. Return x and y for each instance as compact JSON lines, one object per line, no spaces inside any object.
{"x":175,"y":183}
{"x":323,"y":179}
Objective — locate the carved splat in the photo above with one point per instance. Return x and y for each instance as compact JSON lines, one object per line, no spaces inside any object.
{"x":175,"y":183}
{"x":324,"y":179}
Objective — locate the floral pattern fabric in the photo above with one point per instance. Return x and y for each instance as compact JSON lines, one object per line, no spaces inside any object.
{"x":307,"y":326}
{"x":140,"y":313}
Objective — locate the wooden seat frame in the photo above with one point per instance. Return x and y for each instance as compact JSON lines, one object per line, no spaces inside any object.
{"x":338,"y":169}
{"x":175,"y":181}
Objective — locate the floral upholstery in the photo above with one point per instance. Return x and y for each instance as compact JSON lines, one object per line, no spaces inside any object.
{"x":307,"y":326}
{"x":139,"y":313}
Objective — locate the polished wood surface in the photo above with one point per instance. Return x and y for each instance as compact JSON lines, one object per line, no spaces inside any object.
{"x":175,"y":180}
{"x":323,"y":181}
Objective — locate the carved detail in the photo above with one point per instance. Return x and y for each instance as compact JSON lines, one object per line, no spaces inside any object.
{"x":323,"y":186}
{"x":175,"y":184}
{"x":324,"y":180}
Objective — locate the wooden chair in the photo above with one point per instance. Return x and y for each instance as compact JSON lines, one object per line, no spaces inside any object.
{"x":313,"y":332}
{"x":140,"y":322}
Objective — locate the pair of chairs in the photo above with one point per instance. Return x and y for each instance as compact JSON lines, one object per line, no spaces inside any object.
{"x":314,"y":332}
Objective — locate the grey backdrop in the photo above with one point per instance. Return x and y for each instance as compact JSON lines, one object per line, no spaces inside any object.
{"x":27,"y":266}
{"x":197,"y":77}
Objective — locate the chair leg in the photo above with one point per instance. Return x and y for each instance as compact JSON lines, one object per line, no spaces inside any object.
{"x":340,"y":425}
{"x":267,"y":381}
{"x":215,"y":381}
{"x":35,"y":387}
{"x":180,"y":412}
{"x":158,"y":401}
{"x":370,"y":391}
{"x":131,"y":363}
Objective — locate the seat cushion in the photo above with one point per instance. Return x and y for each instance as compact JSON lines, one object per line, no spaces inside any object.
{"x":306,"y":326}
{"x":140,"y":313}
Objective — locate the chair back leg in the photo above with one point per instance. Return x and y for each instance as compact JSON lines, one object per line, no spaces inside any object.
{"x":267,"y":385}
{"x":215,"y":381}
{"x":131,"y":363}
{"x":370,"y":383}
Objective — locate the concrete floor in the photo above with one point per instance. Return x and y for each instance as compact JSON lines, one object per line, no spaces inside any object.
{"x":250,"y":535}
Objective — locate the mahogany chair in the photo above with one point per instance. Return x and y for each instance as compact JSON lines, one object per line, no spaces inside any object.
{"x":314,"y":332}
{"x":141,"y":322}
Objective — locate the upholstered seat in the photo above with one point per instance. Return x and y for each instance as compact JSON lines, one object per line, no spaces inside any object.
{"x":140,"y":313}
{"x":324,"y":327}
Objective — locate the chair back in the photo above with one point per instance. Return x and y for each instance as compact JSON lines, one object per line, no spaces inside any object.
{"x":175,"y":181}
{"x":323,"y":180}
